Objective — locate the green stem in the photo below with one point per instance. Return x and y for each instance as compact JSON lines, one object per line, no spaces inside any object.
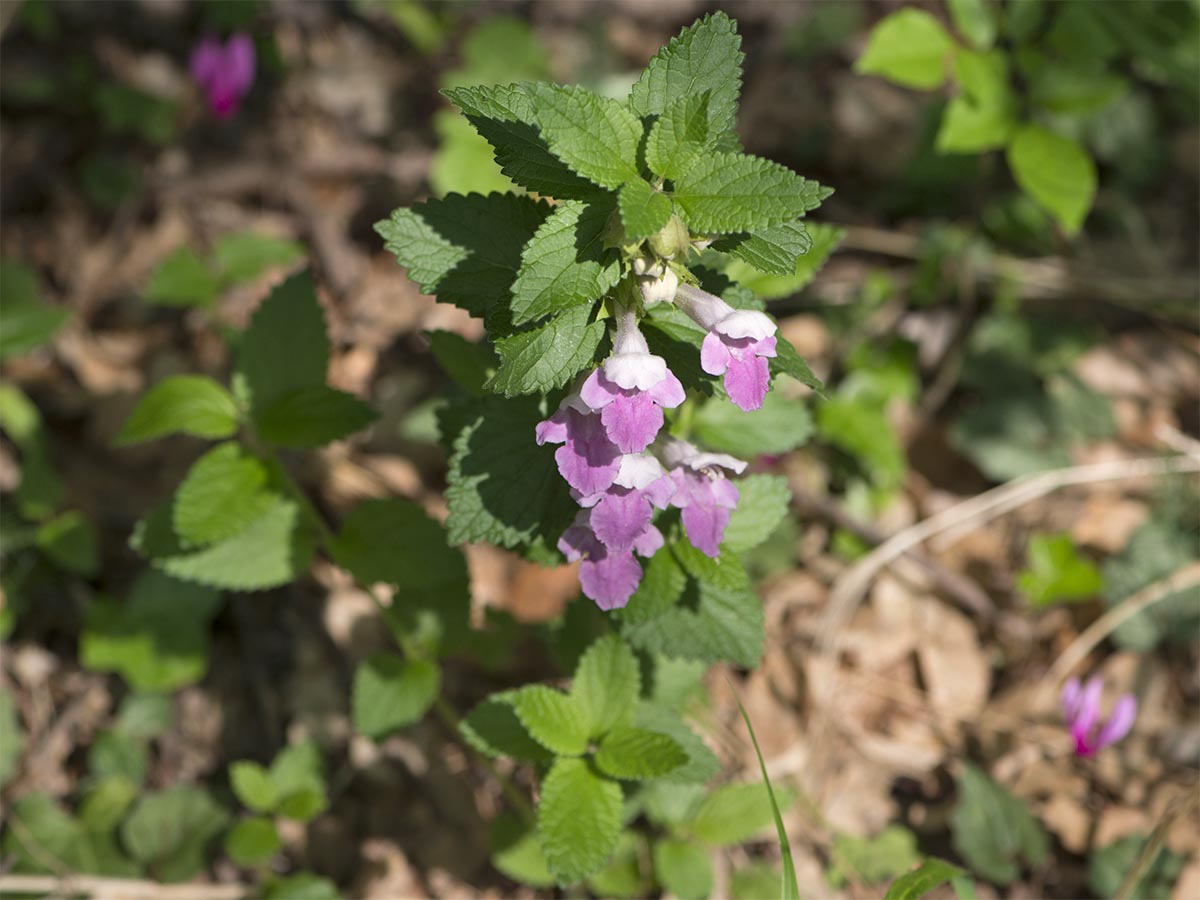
{"x":449,"y":718}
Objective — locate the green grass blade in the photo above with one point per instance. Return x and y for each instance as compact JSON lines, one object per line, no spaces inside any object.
{"x":790,"y":889}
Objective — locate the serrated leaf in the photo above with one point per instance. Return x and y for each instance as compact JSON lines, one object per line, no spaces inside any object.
{"x":565,"y":263}
{"x":25,"y":321}
{"x":825,"y":239}
{"x":644,"y":211}
{"x":221,"y":495}
{"x":762,"y":504}
{"x":183,"y":279}
{"x":252,"y":841}
{"x":1056,"y":172}
{"x":181,"y":404}
{"x":396,"y":541}
{"x":721,"y":618}
{"x":679,"y":135}
{"x":909,"y":47}
{"x":702,"y":763}
{"x":731,"y":192}
{"x":157,"y":639}
{"x":168,"y":831}
{"x":504,"y":115}
{"x":390,"y":692}
{"x":782,"y":424}
{"x":705,"y":57}
{"x":662,"y":585}
{"x":286,"y":346}
{"x":922,"y":880}
{"x":273,"y":550}
{"x":469,"y":363}
{"x":773,"y":250}
{"x":993,"y":831}
{"x":313,"y":416}
{"x":253,"y":786}
{"x":493,"y":729}
{"x":607,"y":683}
{"x":466,"y":250}
{"x":501,"y":487}
{"x":578,"y":820}
{"x":733,"y":813}
{"x":547,"y":357}
{"x":516,"y":853}
{"x":683,"y":869}
{"x":552,"y":718}
{"x":634,"y":753}
{"x":595,"y":136}
{"x":244,"y":255}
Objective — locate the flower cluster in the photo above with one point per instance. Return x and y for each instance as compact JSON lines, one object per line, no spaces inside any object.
{"x":619,"y":468}
{"x":1081,"y":709}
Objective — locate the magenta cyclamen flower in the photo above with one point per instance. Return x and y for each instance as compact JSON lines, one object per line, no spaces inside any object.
{"x":1081,"y":707}
{"x":224,"y":71}
{"x":738,"y":344}
{"x":632,"y":388}
{"x":702,"y":491}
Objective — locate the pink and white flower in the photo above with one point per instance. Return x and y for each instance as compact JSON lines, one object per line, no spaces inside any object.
{"x":703,"y":493}
{"x":224,"y":71}
{"x":620,"y":517}
{"x":587,"y":460}
{"x":1081,"y":708}
{"x":608,"y":577}
{"x":738,"y":344}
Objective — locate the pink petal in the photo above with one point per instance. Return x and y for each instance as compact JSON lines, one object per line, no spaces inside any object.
{"x":748,"y":381}
{"x":610,"y":578}
{"x":632,"y":421}
{"x":649,"y":542}
{"x":597,"y":391}
{"x":1119,"y":723}
{"x":552,"y":430}
{"x":207,"y":59}
{"x":669,"y":392}
{"x":714,"y":355}
{"x":239,"y":61}
{"x":705,"y":526}
{"x":620,"y":518}
{"x":1070,"y":699}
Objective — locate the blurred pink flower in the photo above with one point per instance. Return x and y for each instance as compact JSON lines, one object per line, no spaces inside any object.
{"x":1081,"y":708}
{"x":224,"y":71}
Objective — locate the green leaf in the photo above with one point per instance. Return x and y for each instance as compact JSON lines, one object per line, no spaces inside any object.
{"x":726,"y":192}
{"x":12,"y":736}
{"x":45,"y":831}
{"x":762,"y":505}
{"x":721,"y":620}
{"x":872,"y":860}
{"x":859,"y":425}
{"x":993,"y":831}
{"x":552,"y":718}
{"x":470,"y":364}
{"x":252,"y":842}
{"x":396,"y":541}
{"x":984,"y":116}
{"x":683,"y":869}
{"x":157,"y":639}
{"x":782,"y":424}
{"x":107,"y":800}
{"x":1109,"y":865}
{"x":975,"y":20}
{"x":515,"y":852}
{"x":312,"y":417}
{"x":825,"y":239}
{"x":1072,"y":90}
{"x":773,"y":250}
{"x":663,"y":581}
{"x":1056,"y":172}
{"x":493,"y":729}
{"x":644,"y":211}
{"x":273,"y":550}
{"x":504,"y":115}
{"x":1157,"y":549}
{"x":1057,"y":572}
{"x":183,"y":279}
{"x":634,"y":753}
{"x":622,"y":878}
{"x":145,"y":716}
{"x":733,"y":813}
{"x":302,"y":885}
{"x":181,"y":404}
{"x":114,"y":754}
{"x":299,"y":781}
{"x":498,"y":48}
{"x":286,"y":346}
{"x":679,"y":135}
{"x":25,"y":321}
{"x":221,"y":495}
{"x":756,"y":881}
{"x":578,"y":820}
{"x":607,"y":683}
{"x":390,"y":693}
{"x":466,"y":250}
{"x":69,"y":540}
{"x":168,"y":831}
{"x":595,"y":136}
{"x":921,"y":881}
{"x":244,"y":255}
{"x":502,"y":488}
{"x":909,"y":47}
{"x":565,"y":263}
{"x":463,"y":162}
{"x":702,"y":763}
{"x":547,"y":357}
{"x":706,"y":57}
{"x":253,"y":786}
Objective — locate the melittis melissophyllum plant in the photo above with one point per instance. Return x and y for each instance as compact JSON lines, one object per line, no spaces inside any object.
{"x":605,"y":309}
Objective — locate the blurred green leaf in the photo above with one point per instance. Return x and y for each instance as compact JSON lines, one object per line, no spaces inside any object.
{"x":244,"y":255}
{"x":1159,"y":548}
{"x":106,"y":802}
{"x":183,"y":279}
{"x":145,"y":715}
{"x":782,"y":424}
{"x":762,"y":506}
{"x":1108,"y":866}
{"x":299,"y":780}
{"x":301,"y":886}
{"x":187,"y":404}
{"x":873,"y":860}
{"x":126,"y":110}
{"x":975,"y":20}
{"x":993,"y":831}
{"x":286,"y":346}
{"x":909,"y":47}
{"x":516,"y":853}
{"x":1057,"y":572}
{"x":253,"y":786}
{"x":115,"y":754}
{"x":622,"y":878}
{"x":69,"y":540}
{"x":825,"y":239}
{"x":313,"y":416}
{"x":169,"y":831}
{"x":25,"y":321}
{"x":734,"y":813}
{"x":252,"y":842}
{"x":223,"y":493}
{"x":754,"y":882}
{"x":921,"y":881}
{"x":1056,"y":171}
{"x":12,"y":736}
{"x":390,"y":692}
{"x":683,"y":868}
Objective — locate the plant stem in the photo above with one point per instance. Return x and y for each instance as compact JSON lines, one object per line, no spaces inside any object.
{"x":449,"y":718}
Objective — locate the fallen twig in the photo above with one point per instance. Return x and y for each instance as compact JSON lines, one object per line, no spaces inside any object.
{"x":117,"y":888}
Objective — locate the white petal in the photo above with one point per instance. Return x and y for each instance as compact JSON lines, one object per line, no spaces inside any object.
{"x":635,"y":370}
{"x":638,"y":470}
{"x":746,"y":323}
{"x":681,"y":453}
{"x":659,"y":290}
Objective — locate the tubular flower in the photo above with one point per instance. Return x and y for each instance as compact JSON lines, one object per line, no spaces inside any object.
{"x":620,"y":517}
{"x":706,"y":497}
{"x":609,"y":577}
{"x":587,"y":460}
{"x":1081,"y":708}
{"x":224,"y":71}
{"x":631,"y":389}
{"x":738,"y":344}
